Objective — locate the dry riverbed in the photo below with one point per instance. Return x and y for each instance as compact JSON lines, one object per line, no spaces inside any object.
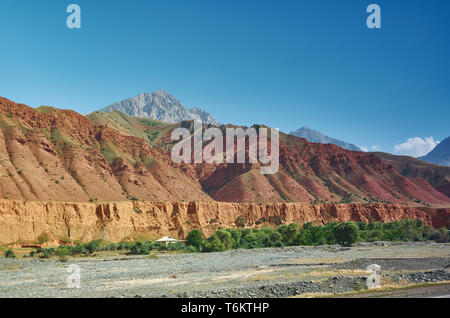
{"x":269,"y":272}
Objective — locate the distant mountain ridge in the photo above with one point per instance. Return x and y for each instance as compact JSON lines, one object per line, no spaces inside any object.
{"x":440,"y":155}
{"x":60,"y":155}
{"x":315,"y":136}
{"x":159,"y":106}
{"x":437,"y":176}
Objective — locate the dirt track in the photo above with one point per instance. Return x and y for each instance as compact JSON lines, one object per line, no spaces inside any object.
{"x":432,"y":291}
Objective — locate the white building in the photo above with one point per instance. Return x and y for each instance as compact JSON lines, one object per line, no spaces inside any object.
{"x":167,"y":240}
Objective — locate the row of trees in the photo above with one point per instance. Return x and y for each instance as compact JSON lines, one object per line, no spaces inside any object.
{"x":345,"y":233}
{"x":132,"y":248}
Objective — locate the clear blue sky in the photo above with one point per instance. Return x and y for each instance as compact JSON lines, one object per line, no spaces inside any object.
{"x":282,"y":63}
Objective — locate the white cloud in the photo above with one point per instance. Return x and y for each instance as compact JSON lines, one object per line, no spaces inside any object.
{"x":416,"y":146}
{"x":371,"y":148}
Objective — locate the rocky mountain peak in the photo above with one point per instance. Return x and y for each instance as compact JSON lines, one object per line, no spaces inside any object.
{"x":440,"y":155}
{"x":160,"y":105}
{"x":315,"y":136}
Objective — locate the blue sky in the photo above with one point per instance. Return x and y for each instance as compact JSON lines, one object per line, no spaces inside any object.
{"x":284,"y":63}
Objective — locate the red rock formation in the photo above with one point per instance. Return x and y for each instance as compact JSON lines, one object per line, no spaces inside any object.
{"x":24,"y":221}
{"x":59,"y":155}
{"x":50,"y":154}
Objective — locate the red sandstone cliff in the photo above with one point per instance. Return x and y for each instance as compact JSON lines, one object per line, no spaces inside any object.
{"x":24,"y":221}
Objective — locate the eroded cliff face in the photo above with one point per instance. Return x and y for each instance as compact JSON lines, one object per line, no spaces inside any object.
{"x":24,"y":221}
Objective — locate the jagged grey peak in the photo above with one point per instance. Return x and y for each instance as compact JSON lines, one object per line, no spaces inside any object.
{"x":316,"y":136}
{"x":160,"y":106}
{"x":440,"y":155}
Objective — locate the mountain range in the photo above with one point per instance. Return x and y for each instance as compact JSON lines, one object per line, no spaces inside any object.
{"x":437,"y":176}
{"x":316,"y":136}
{"x":159,"y":106}
{"x":49,"y":154}
{"x":440,"y":155}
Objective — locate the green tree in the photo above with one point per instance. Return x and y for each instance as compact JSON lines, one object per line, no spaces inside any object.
{"x":307,"y":226}
{"x":252,"y":239}
{"x":218,"y":242}
{"x":346,"y":233}
{"x":195,"y":238}
{"x":276,"y":239}
{"x":318,"y":235}
{"x":288,"y":233}
{"x":236,"y":236}
{"x":362,"y":225}
{"x":375,"y":235}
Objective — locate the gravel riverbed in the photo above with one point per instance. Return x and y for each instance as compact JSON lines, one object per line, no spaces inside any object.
{"x":269,"y":272}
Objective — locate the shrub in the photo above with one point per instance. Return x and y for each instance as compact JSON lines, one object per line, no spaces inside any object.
{"x":346,"y":233}
{"x":43,"y":238}
{"x":140,"y":248}
{"x":124,"y":246}
{"x":190,"y":249}
{"x":79,"y":249}
{"x":443,"y":235}
{"x":275,"y":219}
{"x":261,"y":221}
{"x":159,"y":246}
{"x":175,"y":247}
{"x":110,"y":247}
{"x":46,"y":252}
{"x":62,"y":253}
{"x":10,"y":254}
{"x":240,"y":221}
{"x":92,"y":247}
